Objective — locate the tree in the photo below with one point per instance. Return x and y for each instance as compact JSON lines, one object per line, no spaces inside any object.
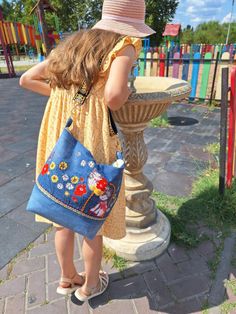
{"x":159,"y":13}
{"x":72,"y":13}
{"x":187,"y":35}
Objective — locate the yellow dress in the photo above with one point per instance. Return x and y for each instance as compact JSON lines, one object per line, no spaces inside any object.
{"x":90,"y":127}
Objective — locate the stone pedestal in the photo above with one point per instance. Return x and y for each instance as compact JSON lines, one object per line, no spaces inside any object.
{"x":148,"y":230}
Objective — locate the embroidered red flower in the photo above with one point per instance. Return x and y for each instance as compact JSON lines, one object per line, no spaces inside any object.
{"x":45,"y":169}
{"x":74,"y":199}
{"x":80,"y":190}
{"x":102,"y":184}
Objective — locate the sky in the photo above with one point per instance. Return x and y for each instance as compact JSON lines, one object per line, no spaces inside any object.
{"x":193,"y":12}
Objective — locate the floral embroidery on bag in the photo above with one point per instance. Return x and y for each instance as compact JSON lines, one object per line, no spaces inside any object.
{"x":60,"y":186}
{"x":83,"y":163}
{"x":91,"y":164}
{"x":45,"y":169}
{"x":65,"y":177}
{"x":97,"y":183}
{"x":63,"y":165}
{"x":78,"y":154}
{"x":80,"y":190}
{"x":74,"y":180}
{"x":74,"y":199}
{"x":52,"y":165}
{"x":81,"y":179}
{"x":54,"y":178}
{"x":69,"y":186}
{"x":67,"y":193}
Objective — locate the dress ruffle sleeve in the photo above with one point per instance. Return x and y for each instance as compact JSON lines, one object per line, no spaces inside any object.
{"x":126,"y":41}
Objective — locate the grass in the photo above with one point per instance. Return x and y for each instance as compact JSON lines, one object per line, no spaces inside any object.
{"x":203,"y":205}
{"x":159,"y":122}
{"x":117,"y":262}
{"x":227,"y":308}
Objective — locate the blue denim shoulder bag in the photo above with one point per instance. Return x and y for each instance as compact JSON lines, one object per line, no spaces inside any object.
{"x":73,"y":190}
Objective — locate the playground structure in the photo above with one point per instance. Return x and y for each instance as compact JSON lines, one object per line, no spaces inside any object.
{"x":14,"y":34}
{"x":172,"y":35}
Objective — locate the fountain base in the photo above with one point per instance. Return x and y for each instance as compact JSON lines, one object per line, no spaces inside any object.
{"x":143,"y":244}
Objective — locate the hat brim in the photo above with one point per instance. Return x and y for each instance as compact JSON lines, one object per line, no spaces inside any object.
{"x":129,"y":29}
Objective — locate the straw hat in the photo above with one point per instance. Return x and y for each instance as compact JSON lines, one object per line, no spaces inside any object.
{"x":126,"y":17}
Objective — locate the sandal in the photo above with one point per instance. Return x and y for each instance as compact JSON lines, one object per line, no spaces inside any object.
{"x":72,"y":287}
{"x":95,"y":291}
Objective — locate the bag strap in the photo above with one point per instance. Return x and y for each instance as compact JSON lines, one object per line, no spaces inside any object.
{"x":80,"y":97}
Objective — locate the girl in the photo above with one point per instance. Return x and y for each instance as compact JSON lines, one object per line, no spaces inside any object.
{"x":103,"y":57}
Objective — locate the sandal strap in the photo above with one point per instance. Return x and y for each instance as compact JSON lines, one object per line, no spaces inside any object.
{"x":66,"y":280}
{"x":102,"y":284}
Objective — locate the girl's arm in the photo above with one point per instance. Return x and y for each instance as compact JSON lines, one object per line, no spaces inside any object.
{"x":35,"y":79}
{"x":116,"y":90}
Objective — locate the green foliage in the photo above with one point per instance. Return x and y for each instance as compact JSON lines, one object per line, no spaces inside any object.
{"x":74,"y":13}
{"x":211,"y":32}
{"x":158,"y":14}
{"x":204,"y":205}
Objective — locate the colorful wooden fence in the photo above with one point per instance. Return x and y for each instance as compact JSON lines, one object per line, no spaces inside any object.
{"x":202,"y":72}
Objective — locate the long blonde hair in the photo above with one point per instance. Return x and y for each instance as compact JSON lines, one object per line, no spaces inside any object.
{"x":79,"y":58}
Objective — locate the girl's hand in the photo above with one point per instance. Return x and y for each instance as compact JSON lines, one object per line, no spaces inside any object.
{"x":35,"y":79}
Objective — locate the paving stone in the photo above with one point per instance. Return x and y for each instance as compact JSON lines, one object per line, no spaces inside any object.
{"x":19,"y":165}
{"x":16,"y":192}
{"x":185,"y":166}
{"x":58,"y":307}
{"x":4,"y":273}
{"x":191,"y":306}
{"x":4,"y":178}
{"x":172,"y":183}
{"x":54,"y":271}
{"x":190,"y":287}
{"x":146,"y":305}
{"x":43,"y":249}
{"x":15,"y":304}
{"x":16,"y":241}
{"x":2,"y":305}
{"x":116,"y":307}
{"x":12,"y":287}
{"x":6,"y":154}
{"x":22,"y":216}
{"x":168,"y":268}
{"x":23,"y":146}
{"x":52,"y":293}
{"x":28,"y":266}
{"x":206,"y":249}
{"x":158,"y":288}
{"x":36,"y":290}
{"x":135,"y":268}
{"x":177,"y":253}
{"x":193,"y":267}
{"x":100,"y":300}
{"x":75,"y":308}
{"x":128,"y":288}
{"x":50,"y":236}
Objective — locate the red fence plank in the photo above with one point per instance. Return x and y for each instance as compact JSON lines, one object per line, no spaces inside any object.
{"x":231,"y":137}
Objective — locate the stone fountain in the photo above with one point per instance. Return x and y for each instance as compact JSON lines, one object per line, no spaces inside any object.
{"x":148,"y":229}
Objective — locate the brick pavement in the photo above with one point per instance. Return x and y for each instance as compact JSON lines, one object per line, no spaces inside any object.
{"x":179,"y":281}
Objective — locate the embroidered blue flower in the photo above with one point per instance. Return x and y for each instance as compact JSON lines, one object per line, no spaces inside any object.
{"x":65,"y":177}
{"x":60,"y":186}
{"x":69,"y":186}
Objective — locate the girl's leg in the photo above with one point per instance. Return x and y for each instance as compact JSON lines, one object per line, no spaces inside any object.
{"x":92,"y":254}
{"x":64,"y":244}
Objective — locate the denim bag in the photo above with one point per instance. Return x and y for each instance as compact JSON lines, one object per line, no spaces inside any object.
{"x":73,"y":190}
